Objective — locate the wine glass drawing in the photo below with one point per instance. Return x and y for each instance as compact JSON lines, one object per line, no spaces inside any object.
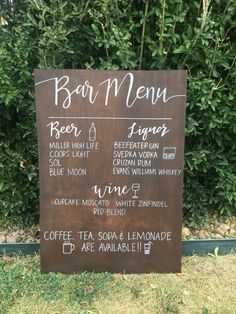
{"x":135,"y":187}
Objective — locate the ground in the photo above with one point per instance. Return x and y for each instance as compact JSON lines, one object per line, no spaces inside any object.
{"x":207,"y":284}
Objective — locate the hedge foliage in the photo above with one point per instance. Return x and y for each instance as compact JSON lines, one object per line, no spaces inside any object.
{"x":199,"y":36}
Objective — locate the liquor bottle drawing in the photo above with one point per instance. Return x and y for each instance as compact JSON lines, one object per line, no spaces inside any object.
{"x":135,"y":187}
{"x":92,"y":133}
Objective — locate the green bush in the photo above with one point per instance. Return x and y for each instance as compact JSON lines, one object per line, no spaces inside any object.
{"x":122,"y":34}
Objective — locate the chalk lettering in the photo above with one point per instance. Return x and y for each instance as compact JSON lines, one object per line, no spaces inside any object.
{"x":85,"y":90}
{"x":153,"y":93}
{"x":85,"y":235}
{"x":56,"y":172}
{"x":54,"y":163}
{"x":130,"y":145}
{"x":107,"y":236}
{"x":109,"y":189}
{"x":124,"y":154}
{"x":76,"y":171}
{"x":123,"y":162}
{"x":61,"y":87}
{"x":66,"y":202}
{"x":124,"y":170}
{"x":115,"y":212}
{"x":148,"y":154}
{"x":152,"y":203}
{"x":93,"y":202}
{"x":143,"y":132}
{"x":58,"y":235}
{"x":150,"y":236}
{"x":88,"y":247}
{"x":59,"y":154}
{"x":56,"y":129}
{"x":59,"y":145}
{"x":126,"y":203}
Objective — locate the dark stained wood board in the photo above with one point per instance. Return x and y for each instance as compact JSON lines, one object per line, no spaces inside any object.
{"x":111,"y":146}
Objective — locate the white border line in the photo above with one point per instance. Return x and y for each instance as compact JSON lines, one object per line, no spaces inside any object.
{"x":110,"y":118}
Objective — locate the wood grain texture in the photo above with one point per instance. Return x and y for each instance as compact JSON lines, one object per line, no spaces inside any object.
{"x":111,"y":147}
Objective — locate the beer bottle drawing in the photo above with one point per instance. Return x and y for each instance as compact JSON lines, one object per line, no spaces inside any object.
{"x":92,"y":133}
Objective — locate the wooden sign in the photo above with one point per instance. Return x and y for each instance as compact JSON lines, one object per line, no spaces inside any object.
{"x":111,"y":149}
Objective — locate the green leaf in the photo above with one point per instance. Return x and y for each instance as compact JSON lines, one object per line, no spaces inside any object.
{"x":32,"y":19}
{"x":96,"y":29}
{"x":180,"y":49}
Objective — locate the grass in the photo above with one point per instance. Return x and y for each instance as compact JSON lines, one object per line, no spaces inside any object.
{"x":206,"y":285}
